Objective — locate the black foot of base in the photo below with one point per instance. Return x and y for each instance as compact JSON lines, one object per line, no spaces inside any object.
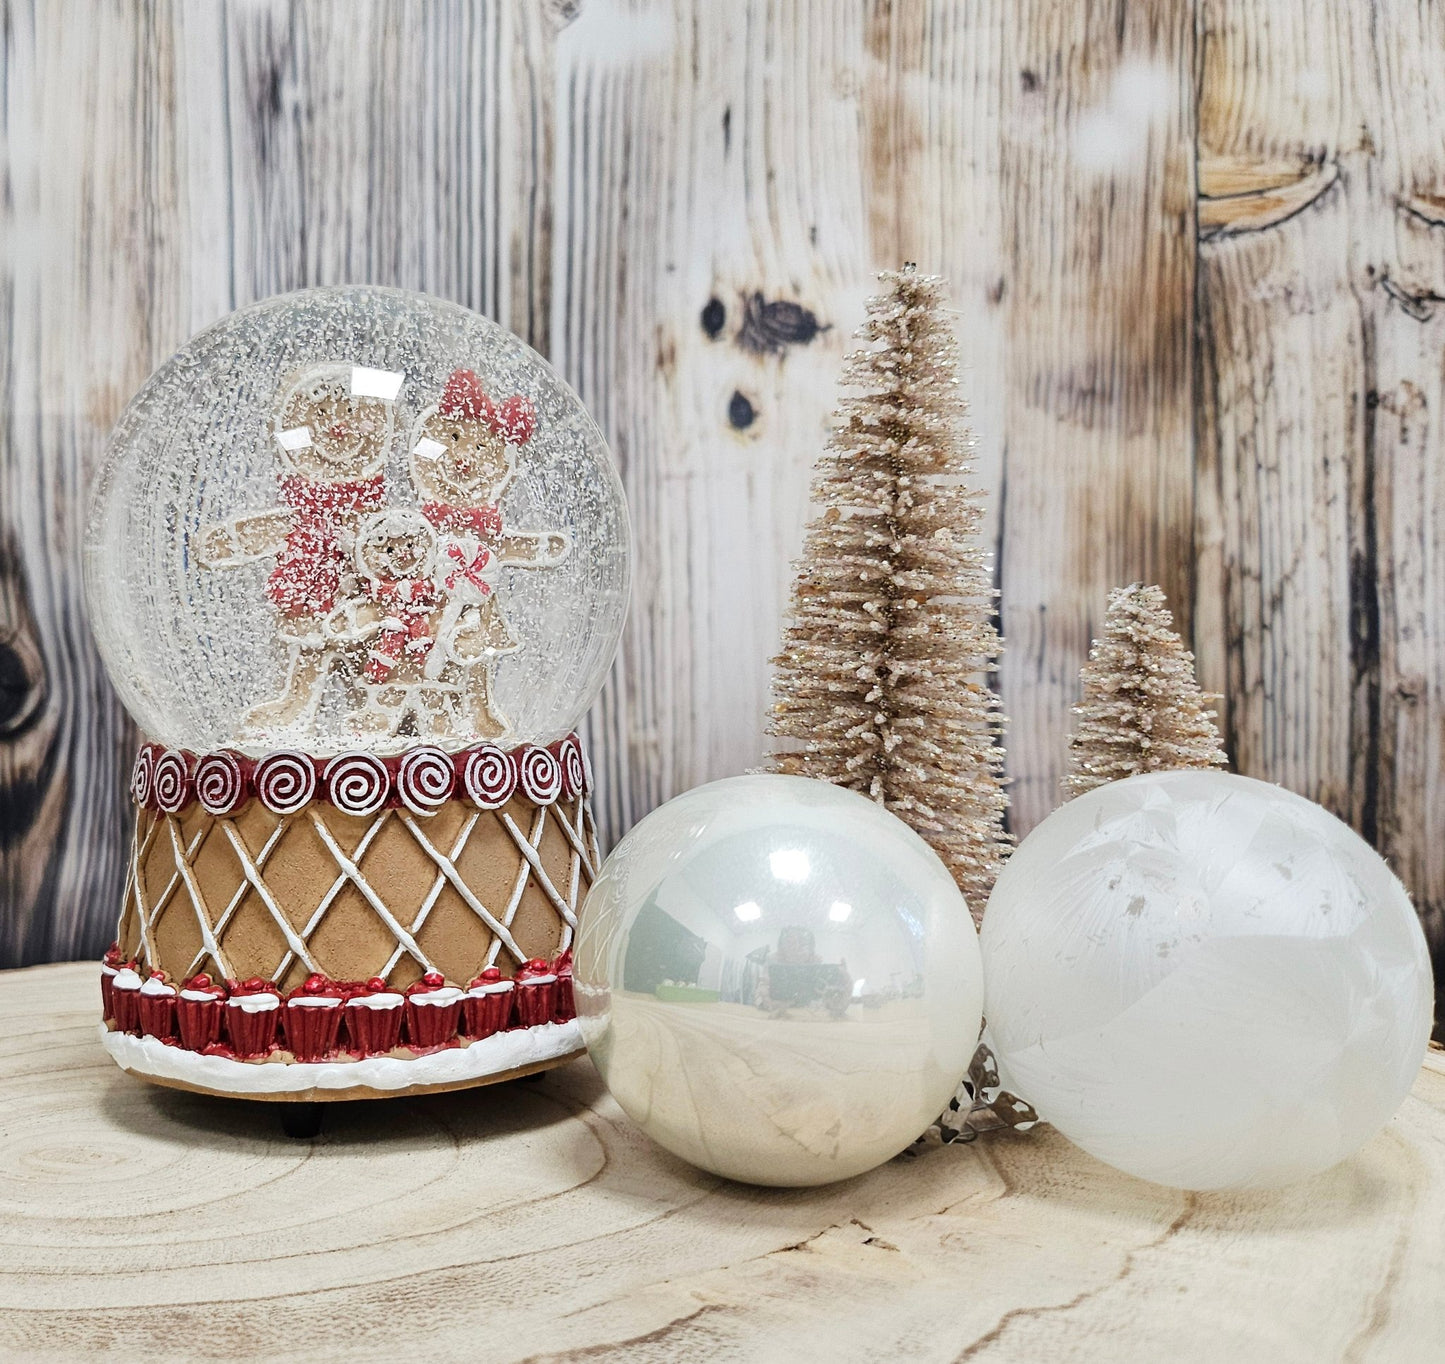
{"x":302,"y":1121}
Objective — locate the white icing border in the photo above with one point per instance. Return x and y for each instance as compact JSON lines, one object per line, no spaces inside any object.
{"x":492,"y":1055}
{"x":262,"y":1002}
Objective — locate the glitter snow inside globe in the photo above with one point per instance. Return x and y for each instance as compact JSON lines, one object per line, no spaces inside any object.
{"x":357,"y":563}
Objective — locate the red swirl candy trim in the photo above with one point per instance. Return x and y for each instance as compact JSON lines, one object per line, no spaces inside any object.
{"x":422,"y":780}
{"x":222,"y":782}
{"x":171,"y":781}
{"x":489,"y":777}
{"x":357,"y":783}
{"x":425,"y":780}
{"x":285,"y":781}
{"x":541,"y":775}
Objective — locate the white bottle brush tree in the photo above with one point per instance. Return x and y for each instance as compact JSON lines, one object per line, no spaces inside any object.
{"x":1142,"y":709}
{"x":882,"y":682}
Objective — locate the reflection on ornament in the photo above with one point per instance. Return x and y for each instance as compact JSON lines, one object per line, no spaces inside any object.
{"x":743,"y":1022}
{"x":1205,"y":980}
{"x":358,"y":561}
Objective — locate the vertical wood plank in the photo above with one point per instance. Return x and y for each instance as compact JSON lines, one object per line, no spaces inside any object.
{"x":1407,"y":503}
{"x":1409,"y":507}
{"x":1283,"y":360}
{"x":1320,"y":512}
{"x":1098,"y":221}
{"x":933,"y":93}
{"x":1283,"y":355}
{"x":707,"y":169}
{"x":758,"y":160}
{"x":90,"y":180}
{"x":204,"y":156}
{"x":362,"y":148}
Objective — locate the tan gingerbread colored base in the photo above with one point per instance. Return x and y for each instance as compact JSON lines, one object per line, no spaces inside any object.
{"x":264,"y":901}
{"x":390,"y":894}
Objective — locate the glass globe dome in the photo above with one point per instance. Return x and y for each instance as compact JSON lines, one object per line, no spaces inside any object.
{"x":356,"y":518}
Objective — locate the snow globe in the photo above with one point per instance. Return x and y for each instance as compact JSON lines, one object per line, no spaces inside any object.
{"x":357,"y":563}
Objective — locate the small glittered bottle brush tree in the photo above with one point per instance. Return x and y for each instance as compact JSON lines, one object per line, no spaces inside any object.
{"x":1142,"y":709}
{"x":882,"y":681}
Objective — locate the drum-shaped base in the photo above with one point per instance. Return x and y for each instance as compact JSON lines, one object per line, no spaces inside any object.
{"x":349,"y":940}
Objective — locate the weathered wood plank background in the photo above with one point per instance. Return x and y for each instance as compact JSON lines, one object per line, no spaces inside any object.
{"x":1198,"y":252}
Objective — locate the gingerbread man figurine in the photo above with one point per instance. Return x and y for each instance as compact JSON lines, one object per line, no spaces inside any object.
{"x":463,"y":457}
{"x":412,"y":671}
{"x":333,"y":428}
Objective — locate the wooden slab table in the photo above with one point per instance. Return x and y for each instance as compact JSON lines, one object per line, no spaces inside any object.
{"x":533,"y":1221}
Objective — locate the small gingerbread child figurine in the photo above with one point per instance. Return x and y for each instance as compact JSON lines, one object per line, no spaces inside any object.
{"x":417,"y":654}
{"x":333,"y":428}
{"x":463,"y":457}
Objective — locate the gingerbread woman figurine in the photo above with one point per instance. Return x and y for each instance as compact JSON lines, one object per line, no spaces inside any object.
{"x":333,"y":428}
{"x":463,"y":457}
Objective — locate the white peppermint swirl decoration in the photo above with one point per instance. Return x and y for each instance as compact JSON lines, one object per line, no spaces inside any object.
{"x":285,"y":781}
{"x":357,"y":783}
{"x":142,"y":775}
{"x":489,"y":777}
{"x":171,"y":782}
{"x":425,"y":780}
{"x":574,"y":770}
{"x":541,"y":775}
{"x":221,"y":783}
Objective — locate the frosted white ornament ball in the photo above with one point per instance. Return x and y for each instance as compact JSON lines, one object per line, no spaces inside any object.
{"x":1205,"y":980}
{"x":778,"y":980}
{"x":280,"y":485}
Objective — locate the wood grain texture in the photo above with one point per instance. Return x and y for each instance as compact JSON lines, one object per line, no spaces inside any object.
{"x":1198,"y":256}
{"x":205,"y":156}
{"x":533,"y":1221}
{"x":1320,"y":497}
{"x":1098,"y":188}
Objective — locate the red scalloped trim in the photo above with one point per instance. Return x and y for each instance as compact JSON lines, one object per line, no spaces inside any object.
{"x":212,"y":1029}
{"x":225,"y":780}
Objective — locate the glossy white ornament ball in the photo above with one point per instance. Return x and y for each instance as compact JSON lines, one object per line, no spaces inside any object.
{"x":778,"y":980}
{"x":1205,"y":980}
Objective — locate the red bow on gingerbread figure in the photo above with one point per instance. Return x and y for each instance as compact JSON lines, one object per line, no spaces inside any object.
{"x":463,"y":458}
